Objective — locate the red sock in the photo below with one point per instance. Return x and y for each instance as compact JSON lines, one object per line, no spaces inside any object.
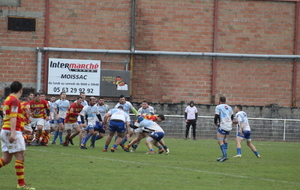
{"x":19,"y":166}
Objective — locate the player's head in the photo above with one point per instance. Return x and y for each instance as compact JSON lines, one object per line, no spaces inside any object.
{"x":122,"y":99}
{"x":63,"y":95}
{"x":101,"y":101}
{"x":238,"y":108}
{"x":82,"y":94}
{"x":145,"y":104}
{"x":222,"y":100}
{"x":43,"y":96}
{"x":79,"y":100}
{"x":52,"y":99}
{"x":160,"y":117}
{"x":192,"y":103}
{"x":31,"y":96}
{"x":16,"y":88}
{"x":120,"y":107}
{"x":37,"y":96}
{"x":92,"y":100}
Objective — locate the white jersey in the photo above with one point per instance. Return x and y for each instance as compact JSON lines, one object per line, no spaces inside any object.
{"x":149,"y":110}
{"x":52,"y":107}
{"x":191,"y":112}
{"x":126,"y":106}
{"x":119,"y":114}
{"x":150,"y":126}
{"x":102,"y":109}
{"x":242,"y":118}
{"x":91,"y":112}
{"x":62,"y":107}
{"x":225,"y":112}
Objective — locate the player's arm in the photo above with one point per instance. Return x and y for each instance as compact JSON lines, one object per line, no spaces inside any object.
{"x":106,"y":118}
{"x":217,"y":120}
{"x":13,"y":121}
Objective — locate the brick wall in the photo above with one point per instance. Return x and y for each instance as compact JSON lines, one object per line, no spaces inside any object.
{"x":256,"y":27}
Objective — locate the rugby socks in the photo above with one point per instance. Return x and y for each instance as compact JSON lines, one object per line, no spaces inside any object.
{"x":256,"y":153}
{"x":55,"y":135}
{"x":60,"y":136}
{"x":151,"y":150}
{"x":165,"y":147}
{"x":86,"y":138}
{"x":124,"y":140}
{"x":2,"y":163}
{"x":105,"y":146}
{"x":222,"y":147}
{"x":226,"y":146}
{"x":114,"y":146}
{"x":239,"y":151}
{"x":97,"y":137}
{"x":19,"y":166}
{"x":134,"y":146}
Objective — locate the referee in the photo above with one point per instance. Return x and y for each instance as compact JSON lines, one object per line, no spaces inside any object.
{"x":191,"y":115}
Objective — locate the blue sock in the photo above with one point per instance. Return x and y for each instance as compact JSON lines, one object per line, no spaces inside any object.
{"x":124,"y":140}
{"x":105,"y":146}
{"x":93,"y":139}
{"x":114,"y":146}
{"x":165,"y":147}
{"x":159,"y":147}
{"x":98,"y":137}
{"x":55,"y":136}
{"x":60,"y":136}
{"x":135,"y":146}
{"x":151,"y":150}
{"x":86,"y":138}
{"x":226,"y":146}
{"x":255,"y":152}
{"x":222,"y":147}
{"x":239,"y":151}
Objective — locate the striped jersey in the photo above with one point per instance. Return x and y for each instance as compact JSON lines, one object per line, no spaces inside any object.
{"x":11,"y":107}
{"x":73,"y":112}
{"x":38,"y":109}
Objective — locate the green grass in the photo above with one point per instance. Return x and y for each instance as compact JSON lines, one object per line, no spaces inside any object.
{"x":190,"y":165}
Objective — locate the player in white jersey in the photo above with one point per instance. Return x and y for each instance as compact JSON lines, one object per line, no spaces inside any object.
{"x":145,"y":109}
{"x":62,"y":106}
{"x":223,"y":120}
{"x":53,"y":122}
{"x":118,"y":122}
{"x":156,"y":134}
{"x":191,"y":115}
{"x":127,"y":107}
{"x":99,"y":128}
{"x":91,"y":112}
{"x":244,"y":131}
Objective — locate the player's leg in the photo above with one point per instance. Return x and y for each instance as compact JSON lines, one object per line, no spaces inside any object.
{"x":247,"y":135}
{"x":188,"y":125}
{"x":194,"y":129}
{"x":110,"y":135}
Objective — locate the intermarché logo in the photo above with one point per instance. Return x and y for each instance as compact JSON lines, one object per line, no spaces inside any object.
{"x":76,"y":67}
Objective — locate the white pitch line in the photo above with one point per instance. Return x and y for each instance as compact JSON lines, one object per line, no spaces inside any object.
{"x":173,"y":167}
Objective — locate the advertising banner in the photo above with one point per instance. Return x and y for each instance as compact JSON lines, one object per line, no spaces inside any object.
{"x":115,"y":83}
{"x":74,"y":76}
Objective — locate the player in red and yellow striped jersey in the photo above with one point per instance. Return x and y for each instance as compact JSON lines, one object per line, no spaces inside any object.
{"x":27,"y":133}
{"x":71,"y":120}
{"x":39,"y":108}
{"x":46,"y":129}
{"x":12,"y":140}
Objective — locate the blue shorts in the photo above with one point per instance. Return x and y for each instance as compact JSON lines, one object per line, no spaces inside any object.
{"x":61,"y":120}
{"x":223,"y":132}
{"x":98,"y":126}
{"x":118,"y":126}
{"x":246,"y":135}
{"x":157,"y":135}
{"x":79,"y":122}
{"x":89,"y":127}
{"x":51,"y":121}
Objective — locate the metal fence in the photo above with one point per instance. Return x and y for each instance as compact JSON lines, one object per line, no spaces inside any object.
{"x":262,"y":129}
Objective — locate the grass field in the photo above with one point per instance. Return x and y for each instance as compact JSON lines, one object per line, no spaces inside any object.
{"x":190,"y":165}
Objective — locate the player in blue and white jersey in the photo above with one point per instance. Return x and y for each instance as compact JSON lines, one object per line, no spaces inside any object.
{"x":62,"y":106}
{"x":244,"y":131}
{"x":99,"y":128}
{"x":118,"y":122}
{"x":53,"y":123}
{"x":156,"y":134}
{"x":127,"y":107}
{"x":91,"y":112}
{"x":223,"y":120}
{"x":145,"y":109}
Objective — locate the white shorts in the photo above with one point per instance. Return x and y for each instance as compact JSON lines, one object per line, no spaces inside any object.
{"x":17,"y":146}
{"x":28,"y":127}
{"x":69,"y":126}
{"x":37,"y":121}
{"x":46,"y":125}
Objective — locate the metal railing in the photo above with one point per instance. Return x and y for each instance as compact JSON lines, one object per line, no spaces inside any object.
{"x":263,"y":129}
